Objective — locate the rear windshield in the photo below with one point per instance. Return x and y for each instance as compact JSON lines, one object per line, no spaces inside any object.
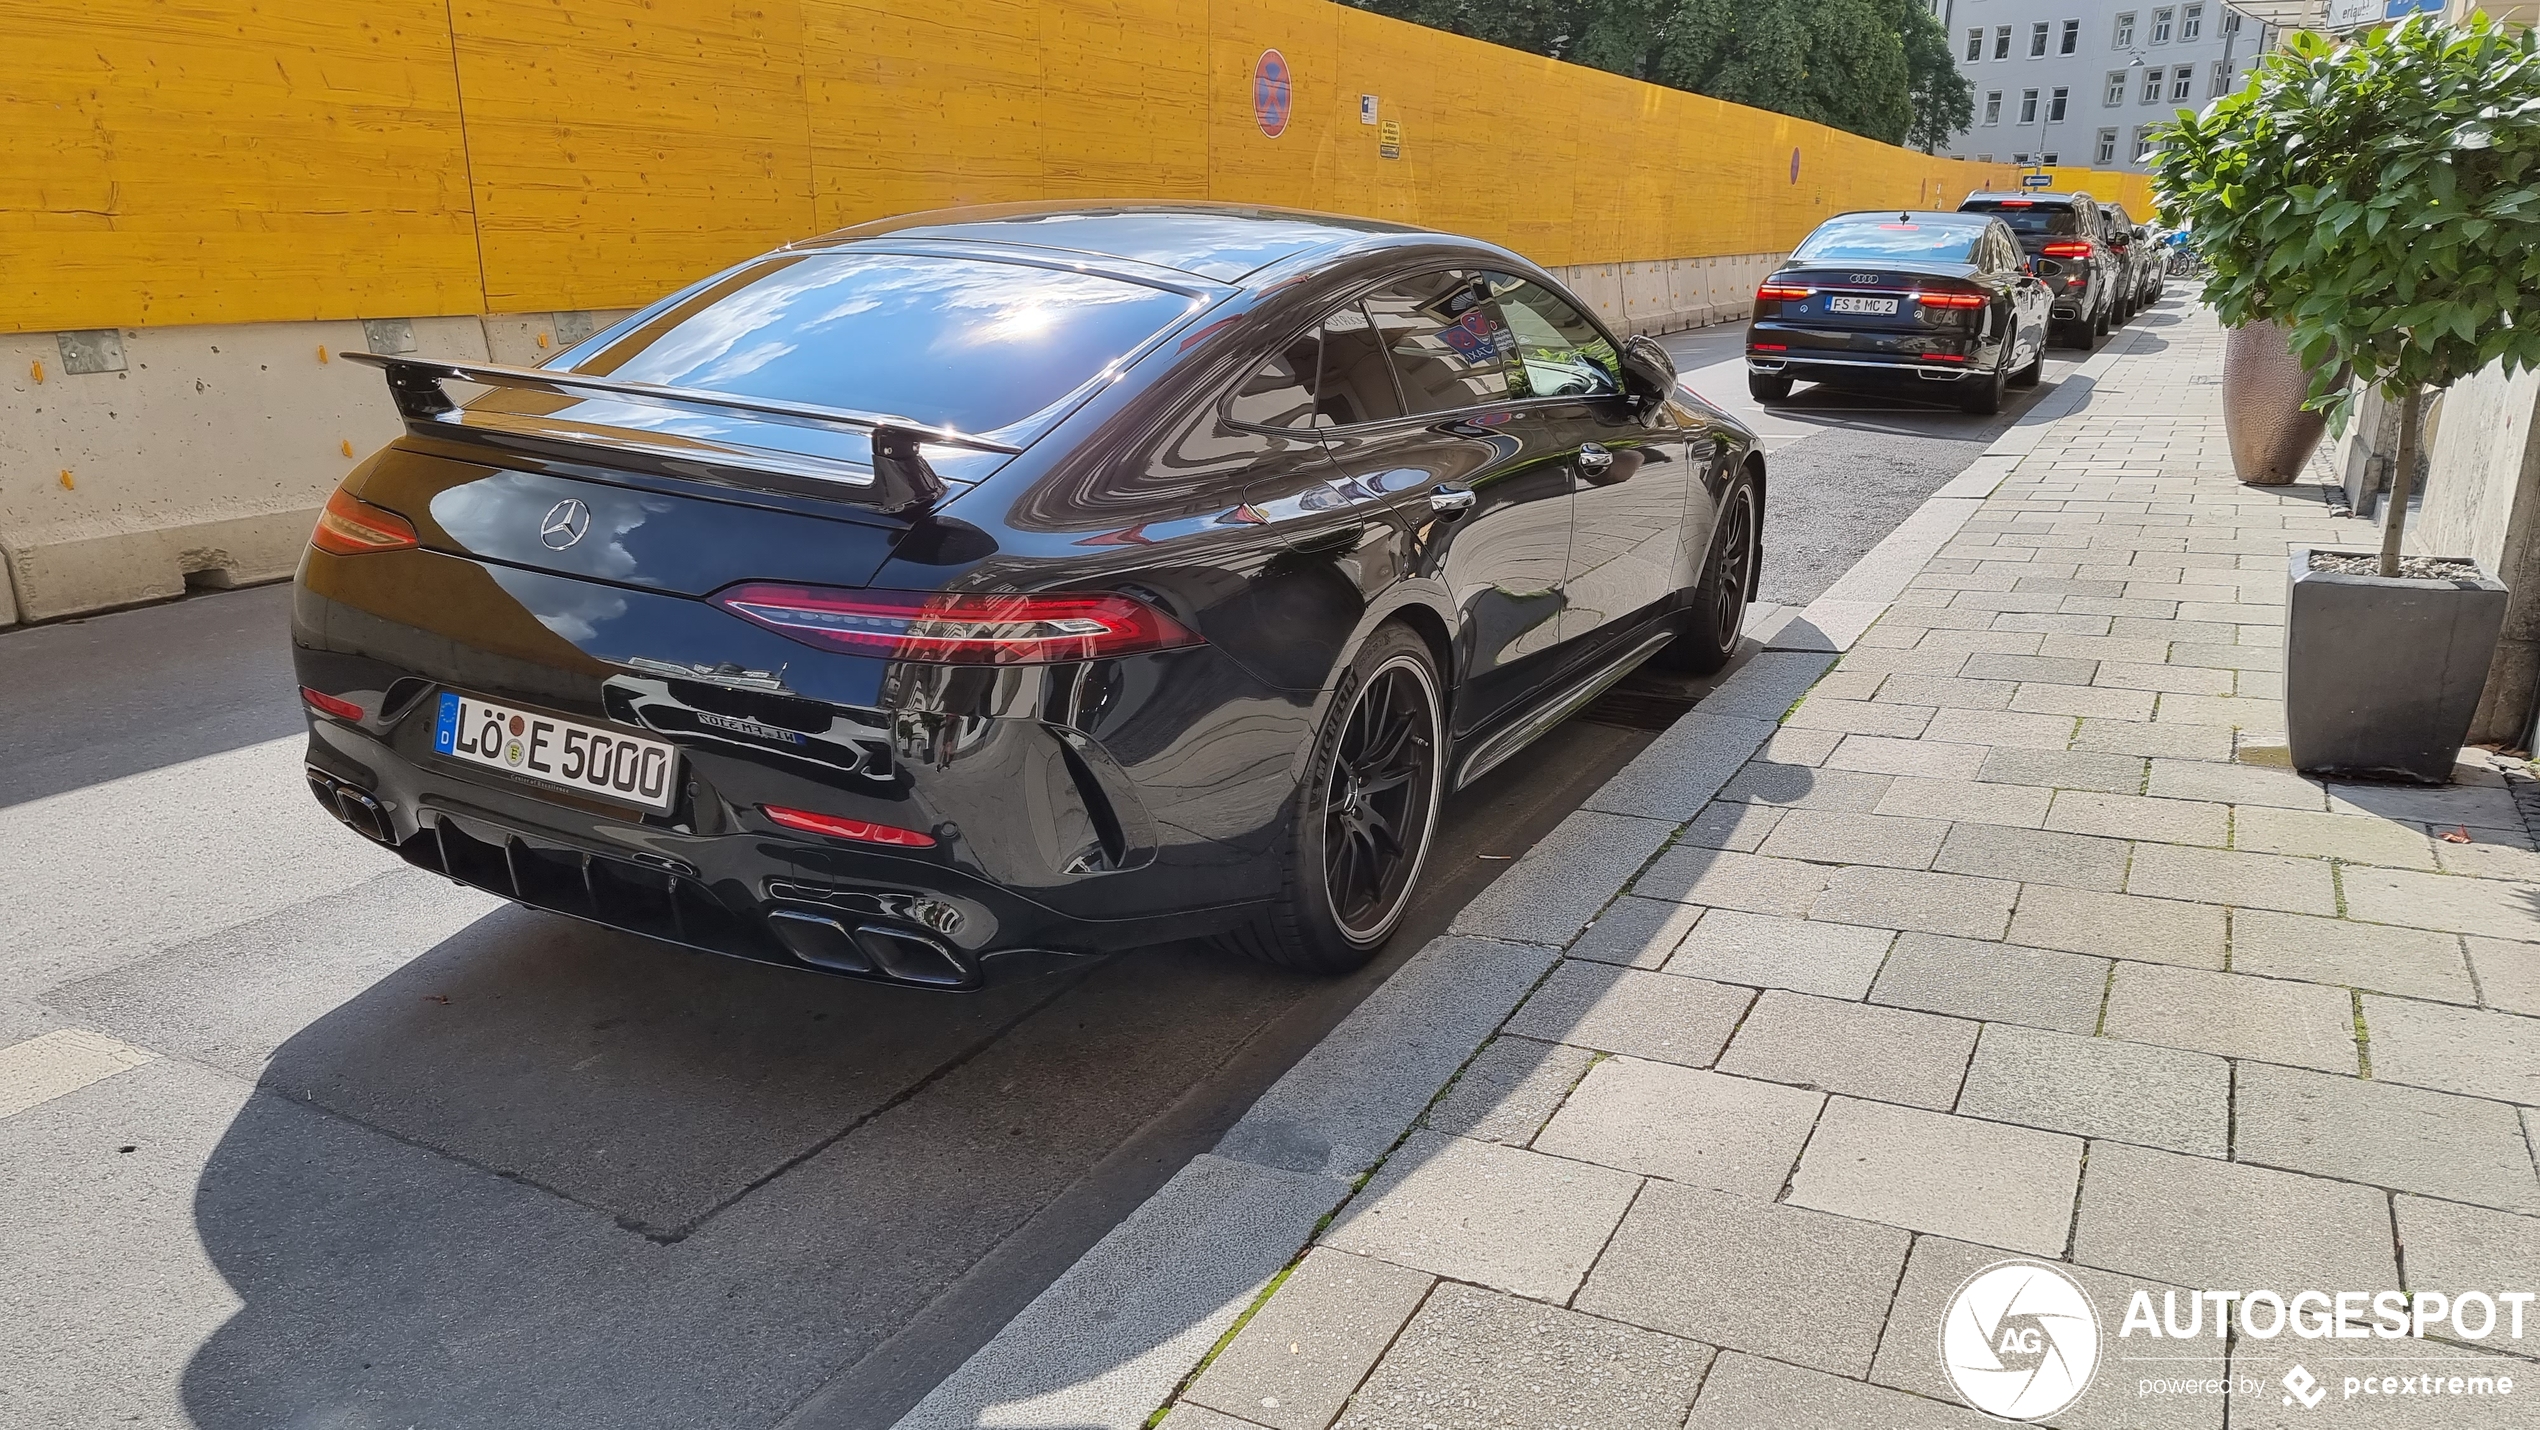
{"x":959,"y":342}
{"x":1946,"y":243}
{"x":2032,"y":219}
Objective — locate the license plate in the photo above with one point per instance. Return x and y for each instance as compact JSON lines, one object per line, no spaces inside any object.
{"x":1860,"y":305}
{"x":563,"y":753}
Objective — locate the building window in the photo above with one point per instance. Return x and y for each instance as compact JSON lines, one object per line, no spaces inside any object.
{"x":2055,"y":106}
{"x":1993,"y":106}
{"x":2050,"y":160}
{"x":1975,"y":44}
{"x":2231,"y":22}
{"x":2125,"y":30}
{"x":2072,"y":38}
{"x":2106,"y":153}
{"x":1984,"y":158}
{"x":2037,"y":40}
{"x":2191,"y":22}
{"x":2116,"y":88}
{"x":2028,"y":106}
{"x":2142,"y":142}
{"x":2152,"y":86}
{"x":2182,"y":83}
{"x":2161,"y":26}
{"x":2001,"y":42}
{"x":2222,"y":79}
{"x":2020,"y":158}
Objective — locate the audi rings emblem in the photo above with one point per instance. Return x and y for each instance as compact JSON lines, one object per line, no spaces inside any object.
{"x":564,"y":524}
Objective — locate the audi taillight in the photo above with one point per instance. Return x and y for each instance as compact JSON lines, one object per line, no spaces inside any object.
{"x":1778,"y":292}
{"x":1951,"y":300}
{"x":2068,"y":250}
{"x":959,"y":627}
{"x":349,"y":526}
{"x":862,"y":831}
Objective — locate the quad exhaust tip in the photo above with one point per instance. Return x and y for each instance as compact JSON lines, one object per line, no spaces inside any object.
{"x":357,"y":810}
{"x":875,"y":950}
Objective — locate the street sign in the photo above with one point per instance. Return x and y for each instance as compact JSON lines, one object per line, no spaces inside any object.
{"x":2036,"y":181}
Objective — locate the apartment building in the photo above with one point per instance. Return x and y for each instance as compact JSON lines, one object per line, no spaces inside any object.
{"x":2086,"y":82}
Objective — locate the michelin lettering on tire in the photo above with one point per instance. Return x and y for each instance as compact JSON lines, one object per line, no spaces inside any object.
{"x":2020,"y":1341}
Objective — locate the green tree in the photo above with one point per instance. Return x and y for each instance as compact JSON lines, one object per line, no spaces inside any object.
{"x":1944,"y":100}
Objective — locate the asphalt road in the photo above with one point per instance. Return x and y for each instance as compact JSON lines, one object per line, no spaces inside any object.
{"x":403,"y":1155}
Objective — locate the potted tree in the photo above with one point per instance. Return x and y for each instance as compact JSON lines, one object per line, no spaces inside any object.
{"x":2381,"y":198}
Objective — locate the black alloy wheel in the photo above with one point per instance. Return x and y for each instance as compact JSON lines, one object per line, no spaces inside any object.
{"x":1718,"y":611}
{"x":2029,"y":375}
{"x":1983,"y":396}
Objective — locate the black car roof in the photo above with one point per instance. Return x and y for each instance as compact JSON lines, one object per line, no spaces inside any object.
{"x":2033,"y":196}
{"x":1223,"y":242}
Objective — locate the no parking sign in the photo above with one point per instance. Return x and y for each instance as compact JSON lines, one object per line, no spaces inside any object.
{"x":1272,"y":95}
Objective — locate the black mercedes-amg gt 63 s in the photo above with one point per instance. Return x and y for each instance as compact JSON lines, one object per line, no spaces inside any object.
{"x":952,"y":592}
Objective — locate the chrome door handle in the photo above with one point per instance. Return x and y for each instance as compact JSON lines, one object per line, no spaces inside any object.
{"x":1594,"y":458}
{"x":1450,"y":499}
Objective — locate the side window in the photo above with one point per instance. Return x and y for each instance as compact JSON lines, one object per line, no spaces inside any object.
{"x":1281,"y":394}
{"x":1448,"y":346}
{"x":1559,"y":352}
{"x":1357,"y":377}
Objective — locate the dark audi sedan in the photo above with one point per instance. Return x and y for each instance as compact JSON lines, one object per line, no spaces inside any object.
{"x":954,"y":592}
{"x":1878,"y":298}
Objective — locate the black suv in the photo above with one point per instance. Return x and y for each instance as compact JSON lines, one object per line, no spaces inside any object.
{"x":2067,"y":241}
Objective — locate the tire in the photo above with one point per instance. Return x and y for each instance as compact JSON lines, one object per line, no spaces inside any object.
{"x":1727,"y":584}
{"x":2036,"y":369}
{"x":2099,"y":328}
{"x":1985,"y":397}
{"x":1366,"y":813}
{"x":1766,"y":388}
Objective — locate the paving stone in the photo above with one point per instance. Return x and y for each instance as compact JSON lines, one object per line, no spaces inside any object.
{"x":2484,"y":806}
{"x":2465,"y":1050}
{"x":1938,"y":1267}
{"x":1731,"y":825}
{"x":1636,"y":932}
{"x":2094,"y":700}
{"x":1860,"y":717}
{"x":1552,"y":890}
{"x":1296,"y":1360}
{"x":1700,"y":1128}
{"x":1500,"y":1216}
{"x":1189,"y":1415}
{"x":1954,"y":691}
{"x":2227,"y":783}
{"x":2226,"y":656}
{"x":2490,"y":854}
{"x":1879,"y":754}
{"x":1834,"y":960}
{"x":1969,"y":800}
{"x":1768,"y":685}
{"x":2130,"y":816}
{"x":1984,"y":1182}
{"x":2136,"y":737}
{"x":1750,"y":1393}
{"x":1836,"y":837}
{"x":1886,"y":1053}
{"x":2065,"y":769}
{"x":2413,"y":962}
{"x":2195,"y":1221}
{"x":2101,"y":1087}
{"x":2108,"y":651}
{"x":2223,"y":712}
{"x":1848,"y":685}
{"x":2001,"y":728}
{"x":1477,"y":1358}
{"x":2310,"y":834}
{"x":1722,"y":879}
{"x":1805,"y":787}
{"x":2119,"y":926}
{"x":2508,"y":974}
{"x":2463,"y":1148}
{"x":1628,"y":1010}
{"x":2441,"y":901}
{"x":1901,"y":898}
{"x":2456,"y":1248}
{"x":1508,"y":1090}
{"x":2164,"y":677}
{"x":2045,"y":668}
{"x":1799,"y":747}
{"x":2269,"y":1019}
{"x":1734,"y":1271}
{"x":1684,"y":767}
{"x":1997,"y":982}
{"x":2221,"y":876}
{"x":2053,"y":623}
{"x":2034,"y":856}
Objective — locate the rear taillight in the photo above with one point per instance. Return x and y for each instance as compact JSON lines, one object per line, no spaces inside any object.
{"x":349,"y":526}
{"x":1951,"y":300}
{"x":325,"y":704}
{"x":1779,"y":292}
{"x":863,"y":831}
{"x":960,"y":628}
{"x":2068,"y":250}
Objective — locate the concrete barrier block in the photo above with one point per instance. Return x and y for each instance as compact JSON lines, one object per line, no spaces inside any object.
{"x":1600,"y":286}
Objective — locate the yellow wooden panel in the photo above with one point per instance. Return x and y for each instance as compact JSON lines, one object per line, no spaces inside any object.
{"x":217,"y":161}
{"x":621,"y":148}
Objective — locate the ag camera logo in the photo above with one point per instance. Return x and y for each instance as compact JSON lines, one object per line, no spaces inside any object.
{"x":2020,"y":1341}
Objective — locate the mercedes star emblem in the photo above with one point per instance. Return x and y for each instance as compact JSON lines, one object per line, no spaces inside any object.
{"x":564,"y":524}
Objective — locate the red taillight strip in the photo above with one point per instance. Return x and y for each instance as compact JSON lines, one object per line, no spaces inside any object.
{"x":325,"y":704}
{"x":1779,"y":292}
{"x":960,"y":628}
{"x":863,"y":831}
{"x":1951,"y":300}
{"x":2068,"y":250}
{"x":349,"y":526}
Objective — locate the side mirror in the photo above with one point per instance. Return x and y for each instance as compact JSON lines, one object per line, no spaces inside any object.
{"x":1649,"y":375}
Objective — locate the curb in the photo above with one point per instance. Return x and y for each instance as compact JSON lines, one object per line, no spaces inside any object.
{"x":1119,"y":1330}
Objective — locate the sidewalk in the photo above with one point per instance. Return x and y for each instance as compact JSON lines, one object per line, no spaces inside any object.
{"x":2011,"y":939}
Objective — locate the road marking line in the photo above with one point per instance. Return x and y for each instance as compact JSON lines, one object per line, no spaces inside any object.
{"x":59,"y":1063}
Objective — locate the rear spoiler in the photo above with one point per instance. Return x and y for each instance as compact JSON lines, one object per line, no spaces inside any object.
{"x":899,"y":479}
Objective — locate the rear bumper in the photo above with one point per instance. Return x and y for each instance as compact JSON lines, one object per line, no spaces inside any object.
{"x":1830,"y":369}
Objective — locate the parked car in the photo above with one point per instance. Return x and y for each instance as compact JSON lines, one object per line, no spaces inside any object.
{"x":2143,"y":263}
{"x":919,"y":601}
{"x":1885,"y":296}
{"x":2066,"y":239}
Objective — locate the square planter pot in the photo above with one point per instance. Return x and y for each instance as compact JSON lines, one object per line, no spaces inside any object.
{"x":2382,"y":674}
